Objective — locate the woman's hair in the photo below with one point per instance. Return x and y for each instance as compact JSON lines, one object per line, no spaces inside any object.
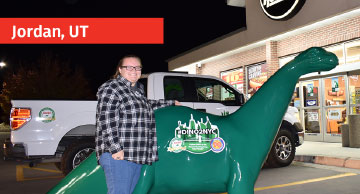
{"x":117,"y":72}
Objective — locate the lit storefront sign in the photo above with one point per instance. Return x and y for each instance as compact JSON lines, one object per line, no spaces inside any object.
{"x":234,"y":78}
{"x":281,"y":9}
{"x":257,"y":76}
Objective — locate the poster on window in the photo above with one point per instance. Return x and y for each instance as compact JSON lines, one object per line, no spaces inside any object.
{"x":234,"y":78}
{"x":313,"y":116}
{"x":310,"y":89}
{"x":334,"y":114}
{"x":335,"y":84}
{"x":257,"y":76}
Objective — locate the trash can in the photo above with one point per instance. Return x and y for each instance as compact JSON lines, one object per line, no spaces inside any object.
{"x":345,"y":135}
{"x":354,"y":131}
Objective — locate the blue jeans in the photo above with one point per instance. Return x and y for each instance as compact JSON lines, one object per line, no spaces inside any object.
{"x":121,"y":175}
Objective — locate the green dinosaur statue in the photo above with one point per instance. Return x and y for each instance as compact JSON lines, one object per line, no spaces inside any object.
{"x":231,"y":161}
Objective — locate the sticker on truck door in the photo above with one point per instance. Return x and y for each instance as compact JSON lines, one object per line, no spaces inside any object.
{"x":197,"y":138}
{"x":47,"y":115}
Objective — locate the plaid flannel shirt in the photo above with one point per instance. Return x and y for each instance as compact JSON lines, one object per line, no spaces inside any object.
{"x":125,"y":120}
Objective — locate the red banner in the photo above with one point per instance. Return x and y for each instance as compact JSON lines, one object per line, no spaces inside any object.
{"x":81,"y":30}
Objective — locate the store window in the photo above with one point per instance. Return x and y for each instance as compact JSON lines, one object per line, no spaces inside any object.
{"x":352,"y":51}
{"x":256,"y":77}
{"x":295,"y":100}
{"x":335,"y":93}
{"x":354,"y":89}
{"x":347,"y":53}
{"x":235,"y":78}
{"x":284,"y":60}
{"x":338,"y":50}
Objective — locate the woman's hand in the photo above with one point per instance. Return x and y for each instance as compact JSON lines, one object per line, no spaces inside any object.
{"x":177,"y":103}
{"x":118,"y":155}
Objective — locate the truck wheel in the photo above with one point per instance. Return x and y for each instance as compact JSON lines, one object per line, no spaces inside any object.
{"x":75,"y":154}
{"x":282,"y":152}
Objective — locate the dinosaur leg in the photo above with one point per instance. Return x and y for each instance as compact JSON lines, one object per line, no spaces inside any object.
{"x":146,"y":180}
{"x":238,"y":184}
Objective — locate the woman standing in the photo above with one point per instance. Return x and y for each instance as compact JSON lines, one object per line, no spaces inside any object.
{"x":125,"y":127}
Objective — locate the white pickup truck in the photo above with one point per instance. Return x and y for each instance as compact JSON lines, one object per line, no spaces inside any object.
{"x":63,"y":131}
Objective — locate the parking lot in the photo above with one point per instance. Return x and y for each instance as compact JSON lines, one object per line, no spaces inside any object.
{"x":295,"y":179}
{"x":17,"y":177}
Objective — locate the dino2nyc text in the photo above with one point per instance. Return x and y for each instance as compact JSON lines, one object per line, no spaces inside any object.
{"x":74,"y":31}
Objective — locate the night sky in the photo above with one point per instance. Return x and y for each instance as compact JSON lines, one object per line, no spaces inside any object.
{"x":188,"y":24}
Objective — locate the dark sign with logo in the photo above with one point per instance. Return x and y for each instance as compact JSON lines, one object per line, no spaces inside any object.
{"x":281,"y":9}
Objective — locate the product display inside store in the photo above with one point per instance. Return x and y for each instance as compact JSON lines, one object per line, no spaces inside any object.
{"x":354,"y":90}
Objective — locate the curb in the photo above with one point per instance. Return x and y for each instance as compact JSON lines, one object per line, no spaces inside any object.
{"x":347,"y":162}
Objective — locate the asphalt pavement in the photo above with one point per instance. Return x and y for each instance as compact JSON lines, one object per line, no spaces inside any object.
{"x":332,"y":154}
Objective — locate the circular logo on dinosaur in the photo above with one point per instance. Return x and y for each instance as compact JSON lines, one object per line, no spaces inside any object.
{"x":217,"y":144}
{"x":47,"y":115}
{"x":176,"y":145}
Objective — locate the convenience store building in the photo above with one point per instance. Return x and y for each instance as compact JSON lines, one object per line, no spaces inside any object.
{"x":273,"y":36}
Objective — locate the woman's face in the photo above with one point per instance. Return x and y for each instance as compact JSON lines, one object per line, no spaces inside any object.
{"x":128,"y":69}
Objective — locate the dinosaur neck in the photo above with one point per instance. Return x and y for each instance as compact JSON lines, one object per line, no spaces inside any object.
{"x":268,"y":106}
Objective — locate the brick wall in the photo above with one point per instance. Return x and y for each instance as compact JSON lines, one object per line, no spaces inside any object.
{"x":252,"y":56}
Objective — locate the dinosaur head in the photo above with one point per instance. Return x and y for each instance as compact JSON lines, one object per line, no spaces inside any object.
{"x":316,"y":59}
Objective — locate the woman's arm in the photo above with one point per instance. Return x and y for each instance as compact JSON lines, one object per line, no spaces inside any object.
{"x":155,"y":104}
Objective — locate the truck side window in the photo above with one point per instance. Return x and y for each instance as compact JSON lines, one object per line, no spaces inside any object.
{"x":213,"y":91}
{"x":174,"y":88}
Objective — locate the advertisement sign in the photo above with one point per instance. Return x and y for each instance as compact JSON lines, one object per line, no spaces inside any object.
{"x":234,"y":78}
{"x":257,"y":76}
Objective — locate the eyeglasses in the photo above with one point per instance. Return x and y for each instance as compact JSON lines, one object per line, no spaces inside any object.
{"x":130,"y":68}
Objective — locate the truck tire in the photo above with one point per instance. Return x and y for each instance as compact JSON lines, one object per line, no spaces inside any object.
{"x":282,"y":152}
{"x":75,"y":154}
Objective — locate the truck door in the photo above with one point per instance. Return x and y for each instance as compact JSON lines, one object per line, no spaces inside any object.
{"x":215,"y":97}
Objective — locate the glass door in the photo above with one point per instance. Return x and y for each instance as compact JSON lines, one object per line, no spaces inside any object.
{"x":311,"y":110}
{"x":335,"y":107}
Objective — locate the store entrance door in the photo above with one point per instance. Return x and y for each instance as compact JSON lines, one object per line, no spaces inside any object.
{"x":311,"y":110}
{"x":334,"y":109}
{"x":324,"y":108}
